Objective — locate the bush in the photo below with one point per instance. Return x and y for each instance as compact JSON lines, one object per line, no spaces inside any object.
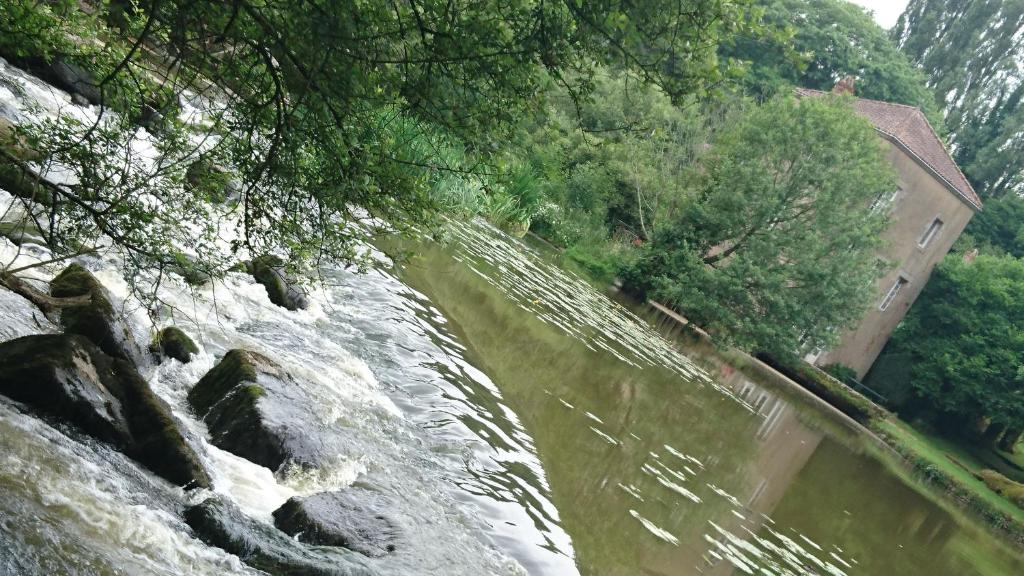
{"x":1012,"y":491}
{"x":841,"y":372}
{"x":827,"y":388}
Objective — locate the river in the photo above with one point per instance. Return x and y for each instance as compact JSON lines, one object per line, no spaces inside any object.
{"x":660,"y":466}
{"x":516,"y":420}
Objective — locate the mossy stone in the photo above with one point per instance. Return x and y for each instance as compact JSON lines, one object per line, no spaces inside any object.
{"x":172,"y":342}
{"x":97,"y":319}
{"x":22,"y":232}
{"x":13,"y":142}
{"x":208,"y":180}
{"x":237,"y":367}
{"x":66,"y":377}
{"x":157,"y":441}
{"x":269,"y":271}
{"x":237,"y":425}
{"x":351,"y":518}
{"x":255,"y":409}
{"x":220,"y":523}
{"x":23,"y":183}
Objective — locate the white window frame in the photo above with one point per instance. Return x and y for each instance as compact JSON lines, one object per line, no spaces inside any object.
{"x":893,"y":292}
{"x":884,"y":203}
{"x":930,"y":232}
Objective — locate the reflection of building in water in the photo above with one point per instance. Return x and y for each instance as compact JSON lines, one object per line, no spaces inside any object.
{"x":786,"y":443}
{"x":785,"y":446}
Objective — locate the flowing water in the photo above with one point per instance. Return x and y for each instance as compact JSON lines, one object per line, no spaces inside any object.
{"x":517,"y":421}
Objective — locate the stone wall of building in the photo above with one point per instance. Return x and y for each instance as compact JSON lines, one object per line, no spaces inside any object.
{"x":922,"y":199}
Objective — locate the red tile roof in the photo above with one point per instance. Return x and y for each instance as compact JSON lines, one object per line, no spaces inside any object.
{"x":907,"y":127}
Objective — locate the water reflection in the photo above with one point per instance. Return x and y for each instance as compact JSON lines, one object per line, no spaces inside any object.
{"x":658,"y":465}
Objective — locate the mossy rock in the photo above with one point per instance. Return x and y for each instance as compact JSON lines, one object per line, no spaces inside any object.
{"x":67,"y":378}
{"x":282,"y":289}
{"x":237,"y":367}
{"x":220,"y":523}
{"x":191,"y":270}
{"x":158,"y":443}
{"x":172,"y":342}
{"x":23,"y":183}
{"x":255,"y":409}
{"x":209,"y":180}
{"x":97,"y":320}
{"x":237,"y":425}
{"x":13,"y":142}
{"x":228,"y":398}
{"x":350,"y":519}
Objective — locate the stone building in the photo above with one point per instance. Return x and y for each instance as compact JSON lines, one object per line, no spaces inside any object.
{"x":929,"y":209}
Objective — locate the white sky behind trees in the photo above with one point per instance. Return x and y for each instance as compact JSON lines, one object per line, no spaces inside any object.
{"x":886,"y":11}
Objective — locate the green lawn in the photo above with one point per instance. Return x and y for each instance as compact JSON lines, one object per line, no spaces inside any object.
{"x":938,"y":450}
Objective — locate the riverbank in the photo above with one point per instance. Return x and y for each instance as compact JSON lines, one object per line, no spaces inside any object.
{"x":942,"y":466}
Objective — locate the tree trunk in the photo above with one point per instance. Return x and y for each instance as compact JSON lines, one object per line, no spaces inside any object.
{"x":993,"y":433}
{"x":1010,"y":439}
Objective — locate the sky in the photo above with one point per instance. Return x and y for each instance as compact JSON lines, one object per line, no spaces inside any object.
{"x":886,"y":11}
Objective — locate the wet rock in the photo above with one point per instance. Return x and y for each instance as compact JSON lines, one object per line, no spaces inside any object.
{"x":57,"y":375}
{"x":12,"y":141}
{"x":210,"y":180}
{"x":173,"y":343}
{"x":23,"y":183}
{"x":67,"y":378}
{"x":256,"y":410}
{"x":191,"y":270}
{"x":220,"y":523}
{"x":150,"y":117}
{"x":22,"y":232}
{"x":73,"y":79}
{"x":97,"y":320}
{"x":282,"y":288}
{"x":351,"y":519}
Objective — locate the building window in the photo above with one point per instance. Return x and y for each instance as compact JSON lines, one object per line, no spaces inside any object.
{"x":883,"y":203}
{"x":893,"y":292}
{"x":930,"y":233}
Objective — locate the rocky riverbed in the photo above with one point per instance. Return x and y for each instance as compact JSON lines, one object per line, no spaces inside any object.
{"x":245,"y":423}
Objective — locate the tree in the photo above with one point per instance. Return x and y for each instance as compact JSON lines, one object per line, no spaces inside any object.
{"x":965,"y":337}
{"x":970,"y":52}
{"x":831,"y":39}
{"x":328,"y":112}
{"x":777,"y":250}
{"x":999,"y":228}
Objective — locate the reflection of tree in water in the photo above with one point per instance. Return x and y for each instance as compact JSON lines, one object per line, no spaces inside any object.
{"x":539,"y":369}
{"x":886,"y":526}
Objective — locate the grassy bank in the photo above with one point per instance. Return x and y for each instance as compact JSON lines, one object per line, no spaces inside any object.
{"x":953,"y":472}
{"x":949,"y":467}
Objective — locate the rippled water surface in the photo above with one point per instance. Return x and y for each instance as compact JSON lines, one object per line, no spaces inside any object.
{"x":666,"y":463}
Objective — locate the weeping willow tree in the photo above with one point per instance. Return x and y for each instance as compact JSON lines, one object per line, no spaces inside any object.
{"x":314,"y":113}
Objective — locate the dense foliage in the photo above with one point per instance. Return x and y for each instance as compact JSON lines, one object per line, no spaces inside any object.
{"x":612,"y":169}
{"x":776,"y":250}
{"x":966,"y":343}
{"x":830,"y":40}
{"x":998,"y":229}
{"x":325,"y":111}
{"x":971,"y":53}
